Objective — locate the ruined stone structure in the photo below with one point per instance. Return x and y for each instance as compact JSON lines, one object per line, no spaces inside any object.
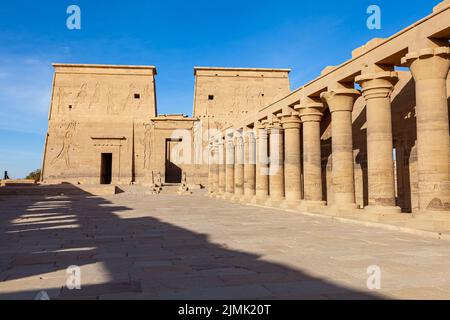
{"x":369,"y":137}
{"x":104,"y":127}
{"x":332,"y":145}
{"x":225,"y":95}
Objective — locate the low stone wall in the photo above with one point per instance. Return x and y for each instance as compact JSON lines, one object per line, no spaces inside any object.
{"x":58,"y":190}
{"x":19,"y":182}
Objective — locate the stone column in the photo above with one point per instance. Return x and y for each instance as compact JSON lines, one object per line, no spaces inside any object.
{"x":215,"y":168}
{"x":340,"y":101}
{"x":377,"y":84}
{"x":210,"y":169}
{"x":276,"y":164}
{"x":229,"y":167}
{"x":311,"y":115}
{"x":430,"y":68}
{"x":222,"y":180}
{"x":262,"y":165}
{"x":239,"y":169}
{"x":292,"y":158}
{"x":249,"y":165}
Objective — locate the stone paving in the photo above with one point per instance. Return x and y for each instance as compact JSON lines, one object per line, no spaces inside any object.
{"x":131,"y":246}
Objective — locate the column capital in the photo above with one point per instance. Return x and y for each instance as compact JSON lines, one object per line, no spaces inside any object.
{"x":229,"y":142}
{"x":261,"y":125}
{"x":310,"y":111}
{"x":274,"y":124}
{"x":261,"y":130}
{"x":289,"y":119}
{"x":340,"y":99}
{"x":377,"y":84}
{"x":249,"y":136}
{"x":238,"y":141}
{"x":268,"y":123}
{"x":428,"y":63}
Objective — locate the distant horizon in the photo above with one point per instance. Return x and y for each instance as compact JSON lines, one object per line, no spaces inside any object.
{"x":174,"y":37}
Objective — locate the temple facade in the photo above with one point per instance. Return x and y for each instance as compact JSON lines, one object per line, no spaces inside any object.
{"x":104,"y":127}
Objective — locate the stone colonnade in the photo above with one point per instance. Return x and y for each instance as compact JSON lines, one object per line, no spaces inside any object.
{"x":276,"y":161}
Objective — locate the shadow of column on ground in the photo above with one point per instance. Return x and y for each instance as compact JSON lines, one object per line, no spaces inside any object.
{"x":133,"y":258}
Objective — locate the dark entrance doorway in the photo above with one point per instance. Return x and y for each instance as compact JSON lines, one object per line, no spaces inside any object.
{"x":106,"y":168}
{"x":173,"y":171}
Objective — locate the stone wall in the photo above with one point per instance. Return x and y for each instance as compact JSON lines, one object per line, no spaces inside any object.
{"x":225,"y":95}
{"x":95,"y":110}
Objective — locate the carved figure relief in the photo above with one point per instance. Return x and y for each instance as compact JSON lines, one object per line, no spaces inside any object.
{"x":95,"y":100}
{"x":236,"y":101}
{"x":146,"y":96}
{"x":64,"y":153}
{"x":110,"y":102}
{"x":81,"y":95}
{"x":146,"y":144}
{"x":130,"y":100}
{"x":59,"y":97}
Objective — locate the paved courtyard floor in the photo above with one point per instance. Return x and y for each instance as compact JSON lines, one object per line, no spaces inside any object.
{"x":131,"y":246}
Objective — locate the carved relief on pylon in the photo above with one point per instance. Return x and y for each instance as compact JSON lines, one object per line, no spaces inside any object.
{"x":81,"y":95}
{"x":60,"y":97}
{"x":96,"y":96}
{"x":130,"y":100}
{"x":67,"y":145}
{"x":146,"y":143}
{"x":110,"y":101}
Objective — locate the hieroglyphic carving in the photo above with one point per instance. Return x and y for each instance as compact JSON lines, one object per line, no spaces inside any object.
{"x":260,"y":98}
{"x":236,"y":104}
{"x":146,"y":144}
{"x":146,"y":95}
{"x":68,"y":143}
{"x":110,"y":101}
{"x":93,"y":95}
{"x":60,"y":97}
{"x":130,"y":100}
{"x":81,"y":95}
{"x":95,"y":100}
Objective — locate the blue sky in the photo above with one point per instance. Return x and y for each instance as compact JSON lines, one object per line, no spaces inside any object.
{"x":174,"y":36}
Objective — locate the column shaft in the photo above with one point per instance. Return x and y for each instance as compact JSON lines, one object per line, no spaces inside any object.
{"x":249,"y":166}
{"x":312,"y":161}
{"x":210,"y":170}
{"x":276,"y":172}
{"x":221,"y":166}
{"x":262,"y":168}
{"x":229,"y":167}
{"x":239,"y":169}
{"x":342,"y":152}
{"x":340,"y":102}
{"x":377,"y":88}
{"x":292,"y":161}
{"x":430,"y":70}
{"x":215,"y":166}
